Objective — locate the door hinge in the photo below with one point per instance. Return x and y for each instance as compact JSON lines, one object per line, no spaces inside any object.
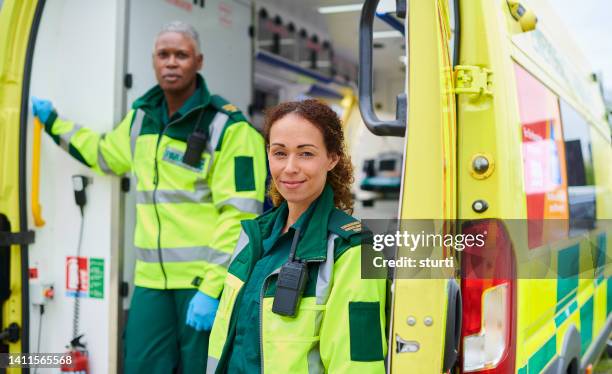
{"x":11,"y":333}
{"x":473,"y":80}
{"x":16,"y":238}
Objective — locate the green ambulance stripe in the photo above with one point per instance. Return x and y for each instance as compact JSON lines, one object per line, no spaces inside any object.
{"x":567,"y":285}
{"x":567,"y":276}
{"x":586,"y":325}
{"x":547,"y":352}
{"x":541,"y":358}
{"x":560,"y":318}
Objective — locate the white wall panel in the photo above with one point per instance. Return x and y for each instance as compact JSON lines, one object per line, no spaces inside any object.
{"x":75,"y":67}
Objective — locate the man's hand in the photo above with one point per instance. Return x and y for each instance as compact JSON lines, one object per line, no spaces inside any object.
{"x":41,"y":108}
{"x":201,"y":312}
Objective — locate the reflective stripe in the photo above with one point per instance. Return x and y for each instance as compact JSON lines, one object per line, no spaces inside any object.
{"x":101,"y":161}
{"x":315,"y":365}
{"x":324,"y":277}
{"x":135,"y":131}
{"x":324,"y":280}
{"x":243,"y":204}
{"x":65,"y":137}
{"x":211,"y":365}
{"x":201,"y":185}
{"x":185,"y":254}
{"x":133,"y":181}
{"x":243,"y":241}
{"x":173,"y":196}
{"x":216,"y":128}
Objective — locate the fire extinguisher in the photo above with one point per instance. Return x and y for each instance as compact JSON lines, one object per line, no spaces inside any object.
{"x":77,"y":358}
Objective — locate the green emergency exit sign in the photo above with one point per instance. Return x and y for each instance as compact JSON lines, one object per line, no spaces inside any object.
{"x":96,"y":278}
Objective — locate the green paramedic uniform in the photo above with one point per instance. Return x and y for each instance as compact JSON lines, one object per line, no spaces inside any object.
{"x":187,"y":218}
{"x":244,"y":352}
{"x":340,"y":323}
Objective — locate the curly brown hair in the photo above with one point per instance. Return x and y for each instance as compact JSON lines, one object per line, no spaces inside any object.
{"x":340,"y":178}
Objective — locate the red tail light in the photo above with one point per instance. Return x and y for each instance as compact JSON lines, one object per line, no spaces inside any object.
{"x":488,"y":287}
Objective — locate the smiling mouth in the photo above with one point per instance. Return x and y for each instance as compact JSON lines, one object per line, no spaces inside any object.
{"x":292,"y":184}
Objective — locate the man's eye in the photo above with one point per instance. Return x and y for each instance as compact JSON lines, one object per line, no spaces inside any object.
{"x":182,"y":55}
{"x":162,"y":54}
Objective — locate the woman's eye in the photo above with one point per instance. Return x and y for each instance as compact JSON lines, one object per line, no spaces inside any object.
{"x":307,"y":154}
{"x":279,"y":154}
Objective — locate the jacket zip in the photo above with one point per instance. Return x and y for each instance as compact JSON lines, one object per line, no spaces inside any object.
{"x":156,"y":184}
{"x":160,"y":257}
{"x":261,"y":297}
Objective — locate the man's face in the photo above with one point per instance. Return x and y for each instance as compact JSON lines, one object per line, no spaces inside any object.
{"x":175,"y":61}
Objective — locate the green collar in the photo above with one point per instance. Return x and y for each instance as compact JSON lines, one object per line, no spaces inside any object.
{"x":313,"y":242}
{"x":155,"y":99}
{"x":281,"y":219}
{"x":189,"y":104}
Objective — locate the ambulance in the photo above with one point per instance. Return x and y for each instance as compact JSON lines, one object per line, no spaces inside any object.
{"x":64,"y":275}
{"x":499,"y":126}
{"x":505,"y":131}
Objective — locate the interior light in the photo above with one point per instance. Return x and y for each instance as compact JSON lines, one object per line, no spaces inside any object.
{"x":386,"y":34}
{"x":340,"y":8}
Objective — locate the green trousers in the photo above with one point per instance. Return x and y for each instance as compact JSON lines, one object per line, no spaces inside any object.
{"x":156,"y":338}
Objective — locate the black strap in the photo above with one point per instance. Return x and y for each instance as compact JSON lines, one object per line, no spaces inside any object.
{"x":294,"y":243}
{"x":16,"y":238}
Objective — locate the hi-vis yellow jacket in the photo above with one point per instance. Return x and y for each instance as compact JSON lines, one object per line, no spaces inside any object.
{"x":340,"y":323}
{"x":187,"y":218}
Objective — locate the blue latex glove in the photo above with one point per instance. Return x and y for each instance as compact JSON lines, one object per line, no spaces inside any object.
{"x":201,"y":312}
{"x":41,"y":109}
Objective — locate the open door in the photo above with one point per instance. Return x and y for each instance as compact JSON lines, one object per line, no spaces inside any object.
{"x":428,"y":193}
{"x":425,"y":313}
{"x":18,"y":26}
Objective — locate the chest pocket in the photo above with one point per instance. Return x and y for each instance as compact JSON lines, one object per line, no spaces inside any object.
{"x":176,"y":175}
{"x":290,"y":345}
{"x":175,"y":156}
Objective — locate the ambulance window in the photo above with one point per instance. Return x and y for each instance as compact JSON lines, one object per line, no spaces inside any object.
{"x":579,"y":167}
{"x":542,"y":149}
{"x":578,"y":147}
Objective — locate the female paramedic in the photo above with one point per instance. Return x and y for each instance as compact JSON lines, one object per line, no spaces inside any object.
{"x":293,"y":300}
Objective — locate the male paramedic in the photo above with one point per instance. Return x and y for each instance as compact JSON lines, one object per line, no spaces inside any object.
{"x":200,"y":169}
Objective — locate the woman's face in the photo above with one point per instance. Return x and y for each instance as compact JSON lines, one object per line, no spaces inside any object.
{"x":299,"y":161}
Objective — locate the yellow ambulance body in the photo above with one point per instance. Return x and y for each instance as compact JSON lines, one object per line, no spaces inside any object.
{"x":512,"y":136}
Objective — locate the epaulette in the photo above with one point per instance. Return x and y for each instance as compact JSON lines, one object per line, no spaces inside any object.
{"x":344,"y":225}
{"x":222,"y":105}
